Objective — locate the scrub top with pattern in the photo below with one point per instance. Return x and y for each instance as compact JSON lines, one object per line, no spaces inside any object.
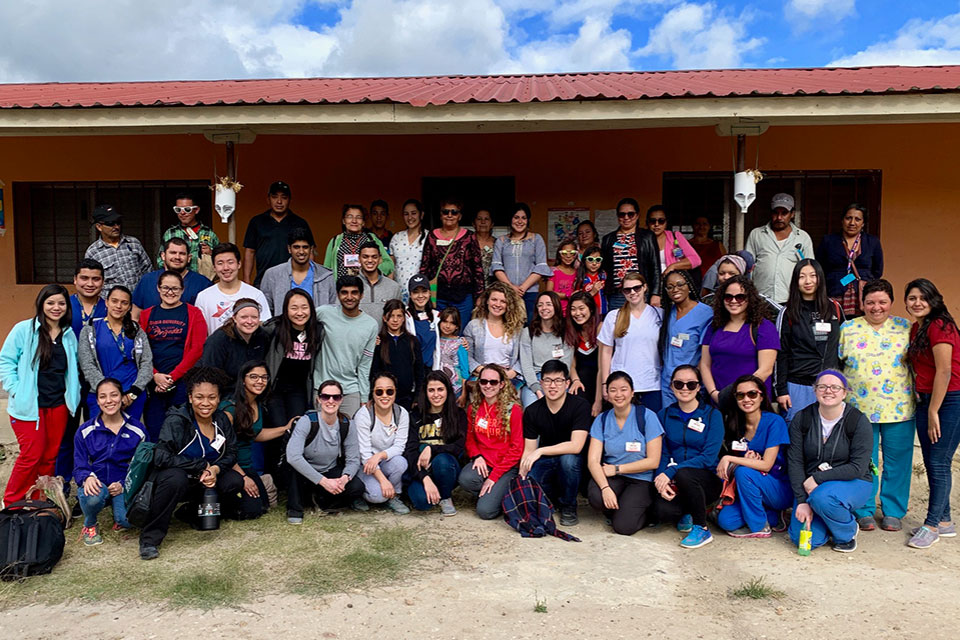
{"x":876,"y":368}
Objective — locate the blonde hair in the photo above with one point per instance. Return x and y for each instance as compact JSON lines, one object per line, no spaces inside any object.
{"x":506,"y":398}
{"x":513,"y":318}
{"x":623,"y":313}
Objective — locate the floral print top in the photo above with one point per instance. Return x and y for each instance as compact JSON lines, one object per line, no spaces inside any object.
{"x":876,"y":369}
{"x":406,"y":259}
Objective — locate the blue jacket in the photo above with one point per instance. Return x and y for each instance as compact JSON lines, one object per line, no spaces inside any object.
{"x":689,"y":448}
{"x":18,"y":370}
{"x":97,"y":451}
{"x":832,"y":256}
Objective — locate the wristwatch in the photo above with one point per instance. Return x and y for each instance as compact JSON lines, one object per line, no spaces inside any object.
{"x":616,"y":469}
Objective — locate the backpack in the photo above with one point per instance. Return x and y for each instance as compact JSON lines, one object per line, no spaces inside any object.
{"x":31,"y":539}
{"x":140,"y":466}
{"x":314,"y":430}
{"x":639,"y":411}
{"x":373,"y":416}
{"x":527,"y":509}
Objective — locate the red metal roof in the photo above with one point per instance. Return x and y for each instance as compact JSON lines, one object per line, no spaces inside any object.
{"x":422,"y":91}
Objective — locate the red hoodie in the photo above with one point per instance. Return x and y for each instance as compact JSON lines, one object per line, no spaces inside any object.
{"x":196,"y":336}
{"x":501,"y":451}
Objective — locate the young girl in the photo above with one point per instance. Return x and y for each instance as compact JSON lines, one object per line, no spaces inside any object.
{"x":591,"y":278}
{"x":564,"y":273}
{"x":423,"y":320}
{"x":452,"y":354}
{"x":398,"y":352}
{"x":545,"y":339}
{"x":583,"y":326}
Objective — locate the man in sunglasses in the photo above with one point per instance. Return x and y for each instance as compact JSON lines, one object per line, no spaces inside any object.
{"x":177,"y":259}
{"x":630,"y":248}
{"x":123,"y":258}
{"x":778,"y":247}
{"x":199,"y":237}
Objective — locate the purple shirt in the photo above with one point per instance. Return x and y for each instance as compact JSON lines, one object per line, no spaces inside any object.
{"x":734,"y":354}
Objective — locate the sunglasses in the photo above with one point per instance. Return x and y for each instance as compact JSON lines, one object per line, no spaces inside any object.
{"x":568,"y":252}
{"x":326,"y":397}
{"x":753,"y":394}
{"x":185,"y":209}
{"x":656,"y":221}
{"x":450,"y":212}
{"x":626,"y":214}
{"x":634,"y":289}
{"x":387,"y":392}
{"x":486,"y":382}
{"x":594,"y":259}
{"x":689,"y":385}
{"x":734,"y":297}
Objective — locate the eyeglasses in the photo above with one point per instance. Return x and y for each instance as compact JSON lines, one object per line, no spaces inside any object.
{"x":594,"y":259}
{"x":568,"y":252}
{"x":327,"y":397}
{"x":387,"y":392}
{"x":689,"y":385}
{"x":674,"y":287}
{"x":753,"y":394}
{"x":486,"y":382}
{"x":170,"y":289}
{"x":835,"y":388}
{"x":256,"y":376}
{"x":552,"y":382}
{"x":185,"y":209}
{"x":450,"y":212}
{"x":634,"y":289}
{"x":656,"y":221}
{"x":734,"y":297}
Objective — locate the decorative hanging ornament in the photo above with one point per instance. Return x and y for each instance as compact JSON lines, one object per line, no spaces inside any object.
{"x":745,"y":187}
{"x":225,"y":197}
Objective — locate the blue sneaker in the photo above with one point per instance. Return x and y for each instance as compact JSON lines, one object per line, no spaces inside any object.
{"x":698,"y":537}
{"x":686,"y":524}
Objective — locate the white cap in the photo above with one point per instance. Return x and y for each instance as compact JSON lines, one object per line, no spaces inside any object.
{"x":782,"y":200}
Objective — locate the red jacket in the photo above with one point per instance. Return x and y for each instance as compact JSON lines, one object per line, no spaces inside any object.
{"x":196,"y":336}
{"x":501,"y":451}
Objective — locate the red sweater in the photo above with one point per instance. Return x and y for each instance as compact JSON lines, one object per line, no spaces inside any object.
{"x":196,"y":336}
{"x":502,"y":451}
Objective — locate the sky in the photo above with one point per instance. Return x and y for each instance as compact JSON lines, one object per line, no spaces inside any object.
{"x":117,"y":40}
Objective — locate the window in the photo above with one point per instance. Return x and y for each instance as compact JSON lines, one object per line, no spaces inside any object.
{"x":52,"y":224}
{"x":495,"y":194}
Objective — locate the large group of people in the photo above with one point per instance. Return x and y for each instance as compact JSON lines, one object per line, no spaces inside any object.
{"x":660,"y":377}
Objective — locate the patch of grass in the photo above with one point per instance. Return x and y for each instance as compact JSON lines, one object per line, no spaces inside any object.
{"x":381,"y":556}
{"x":540,"y":606}
{"x":206,"y":590}
{"x":756,"y":589}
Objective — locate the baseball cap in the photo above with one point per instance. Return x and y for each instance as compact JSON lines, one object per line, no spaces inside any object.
{"x":106,"y":214}
{"x":280,"y":187}
{"x":782,"y":200}
{"x":418,"y":281}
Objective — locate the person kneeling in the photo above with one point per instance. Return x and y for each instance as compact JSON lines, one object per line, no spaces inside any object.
{"x":195,"y":451}
{"x":829,"y":465}
{"x":325,"y":455}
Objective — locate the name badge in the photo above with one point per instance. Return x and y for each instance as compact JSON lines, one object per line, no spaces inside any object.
{"x":683,"y":336}
{"x":634,"y":447}
{"x":678,"y":253}
{"x":676,"y":341}
{"x":191,"y":233}
{"x":696,"y":424}
{"x":824,"y":466}
{"x":422,"y":315}
{"x":443,"y":243}
{"x":218,"y":442}
{"x":557,"y":352}
{"x":847,"y":279}
{"x":481,"y":423}
{"x":738,"y":445}
{"x":821,"y":327}
{"x":351,"y":260}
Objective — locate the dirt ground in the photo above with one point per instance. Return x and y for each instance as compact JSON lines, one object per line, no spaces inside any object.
{"x":482,"y":580}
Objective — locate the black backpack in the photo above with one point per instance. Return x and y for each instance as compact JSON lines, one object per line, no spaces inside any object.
{"x":31,"y":539}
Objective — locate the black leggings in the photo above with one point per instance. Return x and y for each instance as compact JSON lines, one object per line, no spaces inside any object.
{"x":281,"y":406}
{"x":634,"y":498}
{"x":246,"y":507}
{"x":303,"y":493}
{"x":696,"y":489}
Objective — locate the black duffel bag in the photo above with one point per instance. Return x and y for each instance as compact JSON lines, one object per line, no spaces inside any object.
{"x":31,"y":539}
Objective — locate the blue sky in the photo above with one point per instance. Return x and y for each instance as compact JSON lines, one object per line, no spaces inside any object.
{"x":103,"y":40}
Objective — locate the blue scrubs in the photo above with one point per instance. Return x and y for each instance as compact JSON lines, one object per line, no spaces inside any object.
{"x":688,"y":332}
{"x":79,"y":319}
{"x":616,"y":441}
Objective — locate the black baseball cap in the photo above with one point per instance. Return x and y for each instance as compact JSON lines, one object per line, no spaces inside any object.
{"x":418,"y":281}
{"x":280,"y":187}
{"x":106,"y":214}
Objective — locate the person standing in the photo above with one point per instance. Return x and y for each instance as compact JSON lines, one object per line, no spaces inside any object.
{"x":777,"y":248}
{"x":299,"y":272}
{"x":675,"y":251}
{"x":681,"y":335}
{"x":377,"y":288}
{"x":217,"y":302}
{"x":406,"y":247}
{"x":240,"y":340}
{"x":520,"y":258}
{"x":124,"y":259}
{"x":564,"y":277}
{"x":493,"y":335}
{"x":707,"y":248}
{"x":265,"y":243}
{"x":199,"y":237}
{"x":175,"y":259}
{"x":544,"y":339}
{"x":398,"y":353}
{"x":627,"y":249}
{"x":379,"y":214}
{"x":850,"y":258}
{"x":343,"y":251}
{"x":583,"y":327}
{"x":483,"y":225}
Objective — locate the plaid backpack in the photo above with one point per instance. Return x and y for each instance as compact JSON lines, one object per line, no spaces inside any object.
{"x":527,"y":509}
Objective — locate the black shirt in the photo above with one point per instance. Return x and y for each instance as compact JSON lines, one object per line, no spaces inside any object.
{"x":52,"y":379}
{"x":268,"y":238}
{"x":555,"y":428}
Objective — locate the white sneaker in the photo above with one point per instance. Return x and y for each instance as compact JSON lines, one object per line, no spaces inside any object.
{"x":447,"y":508}
{"x":396,"y":505}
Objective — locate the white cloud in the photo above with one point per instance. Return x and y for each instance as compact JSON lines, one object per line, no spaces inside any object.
{"x":820,"y":9}
{"x":594,"y":48}
{"x":698,"y":36}
{"x":918,"y":42}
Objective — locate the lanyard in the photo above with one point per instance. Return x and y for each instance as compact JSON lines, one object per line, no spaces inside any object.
{"x":852,"y":253}
{"x":121,"y":343}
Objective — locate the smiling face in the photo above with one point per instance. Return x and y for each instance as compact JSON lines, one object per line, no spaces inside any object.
{"x":118,"y":304}
{"x":204,"y":398}
{"x":170,"y":290}
{"x":688,"y":377}
{"x":677,"y":288}
{"x":369,"y":260}
{"x":55,"y":307}
{"x":876,"y":307}
{"x":227,"y":267}
{"x":255,"y":382}
{"x":247,"y":321}
{"x":419,"y":297}
{"x":545,"y":308}
{"x":109,"y":399}
{"x":620,"y":393}
{"x":518,"y":223}
{"x":490,"y":384}
{"x":175,"y":257}
{"x":186,"y":212}
{"x":496,"y":304}
{"x":743,"y":394}
{"x":353,"y":220}
{"x":852,"y":222}
{"x":726,"y":271}
{"x":450,"y":216}
{"x":329,"y":399}
{"x":633,"y":290}
{"x":394,"y":320}
{"x":627,"y":217}
{"x":807,"y":282}
{"x":554,"y":385}
{"x":917,"y":304}
{"x":298,"y":312}
{"x":483,"y":222}
{"x":568,"y":254}
{"x":580,"y":312}
{"x":349,"y":298}
{"x":436,"y":395}
{"x":585,"y":235}
{"x":300,"y":252}
{"x":735,"y":300}
{"x":89,"y":282}
{"x":830,"y":391}
{"x":384,"y":393}
{"x":448,"y":328}
{"x":412,"y":216}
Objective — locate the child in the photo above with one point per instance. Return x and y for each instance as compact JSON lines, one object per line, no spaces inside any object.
{"x":423,"y":320}
{"x":398,"y":352}
{"x":564,"y":273}
{"x":591,"y":279}
{"x":452,"y":352}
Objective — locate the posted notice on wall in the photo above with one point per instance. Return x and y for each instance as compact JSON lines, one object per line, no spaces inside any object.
{"x":561,"y":224}
{"x":606,"y":221}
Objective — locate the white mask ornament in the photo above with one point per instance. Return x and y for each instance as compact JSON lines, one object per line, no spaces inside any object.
{"x":225,"y":197}
{"x":745,"y":187}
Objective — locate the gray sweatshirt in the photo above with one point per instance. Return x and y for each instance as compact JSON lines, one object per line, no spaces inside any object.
{"x":535,"y":351}
{"x":374,"y":295}
{"x":322,"y":454}
{"x":90,"y":365}
{"x":391,"y":438}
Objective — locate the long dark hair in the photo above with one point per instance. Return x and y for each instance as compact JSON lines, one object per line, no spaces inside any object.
{"x":820,"y":300}
{"x":44,"y":344}
{"x":591,"y":327}
{"x":450,"y":423}
{"x":419,"y":206}
{"x":129,"y":326}
{"x":736,"y":424}
{"x":666,"y":303}
{"x":536,"y":323}
{"x":386,"y":339}
{"x":938,"y":313}
{"x":754,"y":303}
{"x":243,"y":411}
{"x":582,"y":269}
{"x":286,"y":331}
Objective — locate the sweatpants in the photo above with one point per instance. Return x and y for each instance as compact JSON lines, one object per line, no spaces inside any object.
{"x":895,"y":439}
{"x":634,"y":498}
{"x":559,"y":476}
{"x":443,"y":470}
{"x":303,"y":493}
{"x":760,"y":499}
{"x":173,"y":486}
{"x":489,"y":506}
{"x":155,"y":409}
{"x":351,"y":404}
{"x":938,"y":457}
{"x":832,"y":504}
{"x":696,"y":488}
{"x":39,"y":442}
{"x":393,"y":468}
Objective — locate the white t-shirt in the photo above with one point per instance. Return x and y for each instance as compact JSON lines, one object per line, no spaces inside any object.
{"x":636,"y":352}
{"x":496,"y":351}
{"x":217,"y":306}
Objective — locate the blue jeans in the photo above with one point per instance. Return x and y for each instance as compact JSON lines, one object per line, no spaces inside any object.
{"x":530,"y":302}
{"x":832,"y":504}
{"x":560,"y":478}
{"x":615,"y":300}
{"x":760,"y":499}
{"x":465,"y":307}
{"x":444,"y":471}
{"x":93,"y":505}
{"x":650,"y":399}
{"x":896,"y":439}
{"x":157,"y":405}
{"x":938,"y":456}
{"x":801,"y":397}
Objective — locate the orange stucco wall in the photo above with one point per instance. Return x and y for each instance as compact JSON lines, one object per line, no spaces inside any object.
{"x":590,"y":169}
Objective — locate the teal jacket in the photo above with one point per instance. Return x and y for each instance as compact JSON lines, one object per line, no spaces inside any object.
{"x":330,"y":258}
{"x":18,"y":370}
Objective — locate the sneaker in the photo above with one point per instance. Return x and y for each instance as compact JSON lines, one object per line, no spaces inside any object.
{"x":294,"y":520}
{"x":924,"y":538}
{"x":119,"y":528}
{"x":91,"y":536}
{"x":783,"y":521}
{"x":148,"y":552}
{"x":568,"y":517}
{"x":360,"y":505}
{"x":846,"y":547}
{"x":698,"y":537}
{"x":949,"y":531}
{"x":744,"y":532}
{"x":867,"y":523}
{"x":447,"y":508}
{"x":686,"y":524}
{"x":396,"y":505}
{"x":889,"y":523}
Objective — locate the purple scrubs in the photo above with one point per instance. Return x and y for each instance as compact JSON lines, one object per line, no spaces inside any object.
{"x":733,"y":354}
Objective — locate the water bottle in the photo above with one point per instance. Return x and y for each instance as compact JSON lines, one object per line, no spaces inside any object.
{"x":804,"y":547}
{"x":208,"y":511}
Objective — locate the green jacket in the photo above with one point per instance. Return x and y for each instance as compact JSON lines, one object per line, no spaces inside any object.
{"x":330,"y":258}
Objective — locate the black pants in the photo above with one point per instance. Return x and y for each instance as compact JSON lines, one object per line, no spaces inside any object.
{"x":246,"y":507}
{"x":634,"y":498}
{"x":302,"y":493}
{"x":282,"y":405}
{"x":173,"y":486}
{"x":64,"y":464}
{"x":696,"y":488}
